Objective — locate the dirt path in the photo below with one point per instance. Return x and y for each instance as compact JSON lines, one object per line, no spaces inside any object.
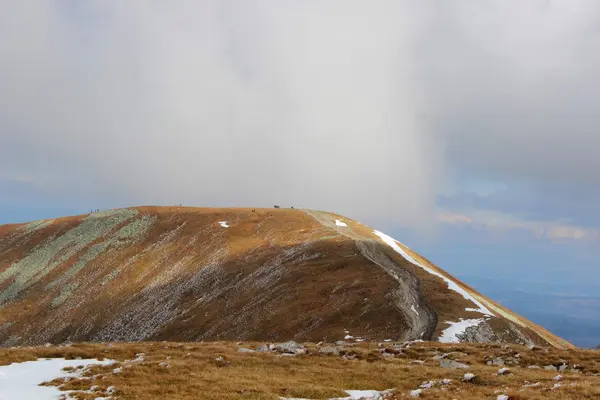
{"x":407,"y":298}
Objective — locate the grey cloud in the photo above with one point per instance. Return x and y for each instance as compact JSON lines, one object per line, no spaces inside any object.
{"x":362,"y":108}
{"x":513,"y":90}
{"x":219,"y":103}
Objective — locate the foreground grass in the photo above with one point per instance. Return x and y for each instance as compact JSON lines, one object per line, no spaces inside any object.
{"x":191,"y":371}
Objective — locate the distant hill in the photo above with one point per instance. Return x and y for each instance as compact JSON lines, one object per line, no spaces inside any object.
{"x":188,"y":274}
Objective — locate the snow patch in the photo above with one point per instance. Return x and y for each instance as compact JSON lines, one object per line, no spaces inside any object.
{"x":22,"y":380}
{"x":393,"y":243}
{"x":364,"y":395}
{"x":412,"y":307}
{"x":223,"y":224}
{"x":450,"y":334}
{"x":355,"y":395}
{"x":340,"y":223}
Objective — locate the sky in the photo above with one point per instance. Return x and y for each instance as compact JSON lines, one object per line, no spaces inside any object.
{"x":466,"y":129}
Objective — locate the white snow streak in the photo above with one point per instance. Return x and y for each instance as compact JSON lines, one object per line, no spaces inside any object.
{"x":362,"y":394}
{"x":21,"y":380}
{"x":451,"y":284}
{"x":449,"y":335}
{"x":223,"y":224}
{"x":412,"y":307}
{"x":355,"y":395}
{"x":340,"y":223}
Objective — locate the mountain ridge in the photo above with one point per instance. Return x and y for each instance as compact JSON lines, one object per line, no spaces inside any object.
{"x":183,"y":273}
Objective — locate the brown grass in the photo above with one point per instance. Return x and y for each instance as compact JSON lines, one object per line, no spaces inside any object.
{"x":191,"y":371}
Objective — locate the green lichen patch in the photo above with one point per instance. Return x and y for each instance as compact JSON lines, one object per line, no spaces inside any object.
{"x":47,"y":256}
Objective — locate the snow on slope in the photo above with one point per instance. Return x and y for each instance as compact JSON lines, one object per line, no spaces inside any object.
{"x":450,"y":333}
{"x":22,"y":380}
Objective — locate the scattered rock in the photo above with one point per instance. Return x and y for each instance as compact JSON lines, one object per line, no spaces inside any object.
{"x":427,"y":385}
{"x":222,"y":362}
{"x":556,"y":386}
{"x":446,"y":381}
{"x":111,"y":390}
{"x":557,"y":378}
{"x":456,"y":354}
{"x":341,"y":343}
{"x":469,"y":377}
{"x":263,"y":348}
{"x":503,"y":371}
{"x":245,"y":350}
{"x":530,"y":385}
{"x":393,"y":350}
{"x":452,"y":364}
{"x":331,"y":350}
{"x":416,"y":393}
{"x":498,"y":361}
{"x":550,"y":368}
{"x":534,"y":367}
{"x":502,"y":397}
{"x":290,"y":347}
{"x":420,"y":362}
{"x":563,"y":367}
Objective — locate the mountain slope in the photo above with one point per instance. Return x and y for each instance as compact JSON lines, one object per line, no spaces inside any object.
{"x":177,"y":273}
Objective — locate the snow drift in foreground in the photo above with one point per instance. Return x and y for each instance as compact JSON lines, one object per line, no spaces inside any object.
{"x":356,"y":395}
{"x":22,"y":380}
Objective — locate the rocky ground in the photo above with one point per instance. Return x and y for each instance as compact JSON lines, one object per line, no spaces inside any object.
{"x":340,"y":370}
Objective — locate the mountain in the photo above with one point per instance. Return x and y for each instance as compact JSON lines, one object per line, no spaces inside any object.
{"x":191,"y":274}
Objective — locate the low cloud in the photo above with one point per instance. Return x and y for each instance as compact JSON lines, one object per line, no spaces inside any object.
{"x":223,"y":103}
{"x":370,"y":110}
{"x":498,"y":223}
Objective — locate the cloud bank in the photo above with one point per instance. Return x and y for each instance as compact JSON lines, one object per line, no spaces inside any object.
{"x":218,"y":103}
{"x":368,"y":109}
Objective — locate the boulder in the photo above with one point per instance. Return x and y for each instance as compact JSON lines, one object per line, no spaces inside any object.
{"x":452,"y":364}
{"x":498,"y":361}
{"x":330,"y":350}
{"x":245,"y":350}
{"x":290,"y":347}
{"x":263,"y":348}
{"x":469,"y":377}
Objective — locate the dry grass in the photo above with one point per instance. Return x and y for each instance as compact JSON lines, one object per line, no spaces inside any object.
{"x":190,"y":371}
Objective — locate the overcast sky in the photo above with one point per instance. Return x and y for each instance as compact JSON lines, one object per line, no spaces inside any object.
{"x":407,"y":113}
